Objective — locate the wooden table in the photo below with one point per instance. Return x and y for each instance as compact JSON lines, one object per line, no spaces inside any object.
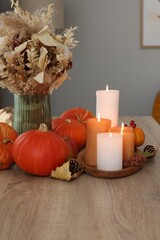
{"x":87,"y":208}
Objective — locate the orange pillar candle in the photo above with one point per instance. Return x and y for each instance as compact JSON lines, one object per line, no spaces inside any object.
{"x":128,"y":141}
{"x":94,"y":126}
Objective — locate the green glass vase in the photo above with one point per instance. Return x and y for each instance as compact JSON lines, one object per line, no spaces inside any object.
{"x":31,"y":111}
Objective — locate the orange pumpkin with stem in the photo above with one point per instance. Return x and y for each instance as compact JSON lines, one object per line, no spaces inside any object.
{"x":39,"y":151}
{"x":70,"y":128}
{"x":79,"y":114}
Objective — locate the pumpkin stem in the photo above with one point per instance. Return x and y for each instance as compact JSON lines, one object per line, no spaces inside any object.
{"x":43,"y":127}
{"x":68,"y":120}
{"x":78,"y":117}
{"x":5,"y":140}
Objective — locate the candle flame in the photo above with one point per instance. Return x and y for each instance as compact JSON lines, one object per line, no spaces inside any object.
{"x":110,"y":134}
{"x":99,"y":117}
{"x":122,"y":128}
{"x":106,"y":87}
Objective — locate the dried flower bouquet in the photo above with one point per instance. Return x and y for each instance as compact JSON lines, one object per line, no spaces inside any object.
{"x":33,"y":59}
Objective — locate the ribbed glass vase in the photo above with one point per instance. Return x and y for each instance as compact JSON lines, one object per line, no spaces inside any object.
{"x":31,"y":111}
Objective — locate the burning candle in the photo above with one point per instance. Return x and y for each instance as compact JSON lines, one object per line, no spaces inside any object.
{"x":94,"y":126}
{"x":109,"y":151}
{"x":128,"y":141}
{"x":107,"y":104}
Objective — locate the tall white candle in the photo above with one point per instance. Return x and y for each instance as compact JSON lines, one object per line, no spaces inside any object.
{"x":109,"y":151}
{"x":107,"y":104}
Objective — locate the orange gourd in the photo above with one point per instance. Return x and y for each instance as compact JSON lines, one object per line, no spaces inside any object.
{"x":7,"y":137}
{"x":139,"y":136}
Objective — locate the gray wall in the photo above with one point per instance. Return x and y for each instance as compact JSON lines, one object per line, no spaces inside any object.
{"x":108,"y":53}
{"x":6,"y":98}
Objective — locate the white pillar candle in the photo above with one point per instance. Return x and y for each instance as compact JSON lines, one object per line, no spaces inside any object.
{"x":107,"y":104}
{"x":109,"y":151}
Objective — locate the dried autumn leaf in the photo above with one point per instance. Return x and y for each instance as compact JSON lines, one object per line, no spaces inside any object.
{"x":69,"y":170}
{"x":45,"y":38}
{"x":21,"y":47}
{"x":2,"y":66}
{"x":39,"y":77}
{"x":58,"y":82}
{"x":62,"y":172}
{"x":6,"y":115}
{"x":42,"y":58}
{"x":3,"y":41}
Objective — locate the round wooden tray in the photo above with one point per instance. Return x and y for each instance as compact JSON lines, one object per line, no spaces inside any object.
{"x":93,"y":171}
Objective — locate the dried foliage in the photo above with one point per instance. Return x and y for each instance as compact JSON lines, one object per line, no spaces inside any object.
{"x":33,"y":59}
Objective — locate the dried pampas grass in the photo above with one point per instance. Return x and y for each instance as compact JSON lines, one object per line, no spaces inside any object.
{"x":33,"y":59}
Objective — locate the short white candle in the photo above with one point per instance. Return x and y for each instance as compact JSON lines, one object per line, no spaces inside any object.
{"x":109,"y":151}
{"x":94,"y":126}
{"x":107,"y":104}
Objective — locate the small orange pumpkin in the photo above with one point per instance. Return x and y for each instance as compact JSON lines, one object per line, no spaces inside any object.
{"x":139,"y":136}
{"x":79,"y":114}
{"x":66,"y":127}
{"x":7,"y":137}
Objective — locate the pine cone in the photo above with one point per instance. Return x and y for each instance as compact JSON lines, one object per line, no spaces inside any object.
{"x":149,"y":151}
{"x":136,"y":161}
{"x":75,"y":166}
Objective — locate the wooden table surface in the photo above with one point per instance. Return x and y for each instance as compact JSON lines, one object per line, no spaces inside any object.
{"x":86,"y":208}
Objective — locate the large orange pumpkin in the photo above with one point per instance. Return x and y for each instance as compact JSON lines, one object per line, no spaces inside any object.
{"x":79,"y":114}
{"x":7,"y":137}
{"x":39,"y":151}
{"x":70,"y":128}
